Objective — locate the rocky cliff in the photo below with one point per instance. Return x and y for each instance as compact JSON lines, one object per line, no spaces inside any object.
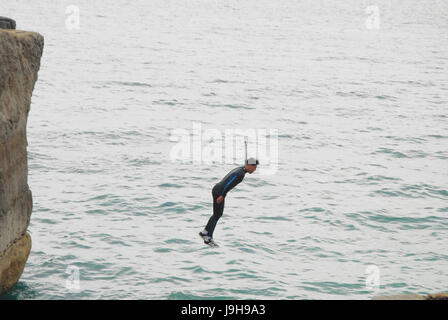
{"x":20,"y":54}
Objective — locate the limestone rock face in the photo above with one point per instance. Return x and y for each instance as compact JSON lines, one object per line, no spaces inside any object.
{"x":436,"y":296}
{"x":20,"y":54}
{"x":400,"y":297}
{"x":13,"y":262}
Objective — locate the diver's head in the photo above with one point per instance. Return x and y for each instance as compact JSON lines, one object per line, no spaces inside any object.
{"x":251,"y":165}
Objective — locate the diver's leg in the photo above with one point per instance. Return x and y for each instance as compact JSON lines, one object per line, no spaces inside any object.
{"x":218,"y":209}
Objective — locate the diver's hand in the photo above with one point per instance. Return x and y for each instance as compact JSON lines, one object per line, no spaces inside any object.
{"x":220,"y":199}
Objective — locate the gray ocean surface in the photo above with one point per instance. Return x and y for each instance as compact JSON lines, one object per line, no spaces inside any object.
{"x":362,"y":173}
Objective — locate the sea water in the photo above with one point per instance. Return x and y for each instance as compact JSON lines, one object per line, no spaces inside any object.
{"x":355,"y":91}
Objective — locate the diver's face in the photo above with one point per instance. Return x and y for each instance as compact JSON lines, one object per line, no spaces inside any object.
{"x":251,"y":168}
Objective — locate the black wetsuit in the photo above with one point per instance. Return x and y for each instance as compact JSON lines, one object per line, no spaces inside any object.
{"x":220,"y":189}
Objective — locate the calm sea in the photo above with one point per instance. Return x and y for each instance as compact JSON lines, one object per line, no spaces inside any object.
{"x":357,"y":206}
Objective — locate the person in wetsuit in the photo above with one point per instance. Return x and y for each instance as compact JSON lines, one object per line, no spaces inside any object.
{"x":219,"y":193}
